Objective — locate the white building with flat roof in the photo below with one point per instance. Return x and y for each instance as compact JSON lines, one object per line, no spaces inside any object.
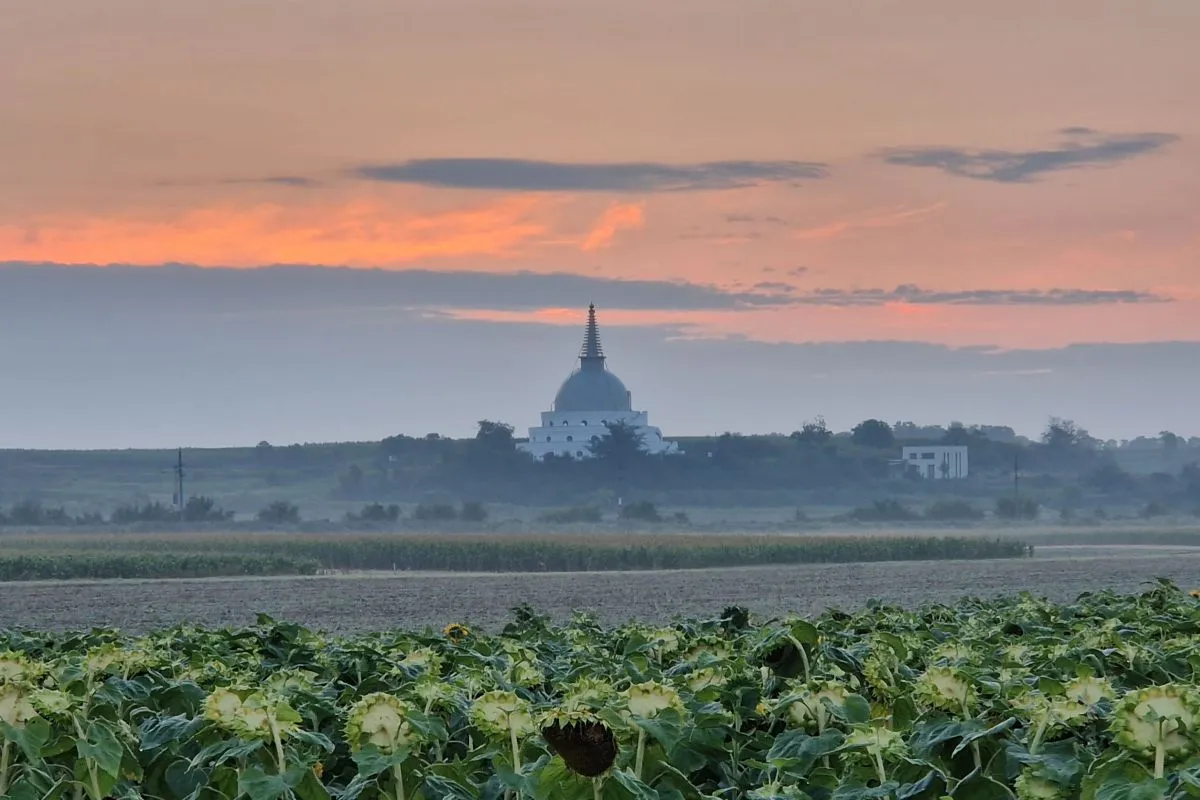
{"x":936,"y":462}
{"x":588,"y":399}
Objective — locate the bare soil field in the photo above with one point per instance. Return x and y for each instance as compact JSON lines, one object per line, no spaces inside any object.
{"x":380,"y":601}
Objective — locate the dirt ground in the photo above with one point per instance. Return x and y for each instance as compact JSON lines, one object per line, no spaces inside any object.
{"x":380,"y":601}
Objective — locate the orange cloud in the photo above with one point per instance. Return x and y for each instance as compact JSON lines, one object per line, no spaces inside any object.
{"x":616,"y":217}
{"x":362,"y":233}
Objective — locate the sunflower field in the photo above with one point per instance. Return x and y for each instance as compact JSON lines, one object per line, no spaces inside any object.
{"x":1005,"y":698}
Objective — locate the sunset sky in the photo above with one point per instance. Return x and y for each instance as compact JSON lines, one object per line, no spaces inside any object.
{"x":1014,"y":175}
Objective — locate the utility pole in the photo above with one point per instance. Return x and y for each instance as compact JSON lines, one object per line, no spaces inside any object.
{"x":179,"y":482}
{"x":1016,"y":478}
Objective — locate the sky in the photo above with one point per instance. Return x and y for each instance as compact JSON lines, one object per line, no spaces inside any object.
{"x":786,"y":194}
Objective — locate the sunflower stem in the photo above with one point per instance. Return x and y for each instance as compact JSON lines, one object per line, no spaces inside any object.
{"x":399,"y":776}
{"x":803,"y":658}
{"x":596,"y":784}
{"x":1036,"y":744}
{"x":641,"y":753}
{"x":93,"y":772}
{"x":5,"y":754}
{"x":516,"y":748}
{"x":1160,"y":760}
{"x":280,"y":758}
{"x":880,"y":772}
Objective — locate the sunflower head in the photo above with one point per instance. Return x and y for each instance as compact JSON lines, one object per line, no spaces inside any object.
{"x":250,"y":715}
{"x":945,"y":688}
{"x":648,"y":700}
{"x":15,"y":706}
{"x":1157,"y":717}
{"x":381,"y":720}
{"x":15,"y":666}
{"x":456,"y":632}
{"x":585,"y":742}
{"x":502,"y":714}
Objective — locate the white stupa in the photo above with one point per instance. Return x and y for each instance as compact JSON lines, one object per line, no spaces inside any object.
{"x":590,"y":397}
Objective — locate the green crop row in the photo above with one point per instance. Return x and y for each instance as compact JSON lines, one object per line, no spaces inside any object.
{"x":165,"y":555}
{"x":97,"y":566}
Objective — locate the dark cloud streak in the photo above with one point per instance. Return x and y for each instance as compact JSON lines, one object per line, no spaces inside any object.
{"x":1083,"y":148}
{"x":184,"y":288}
{"x":547,"y":176}
{"x":915,"y":295}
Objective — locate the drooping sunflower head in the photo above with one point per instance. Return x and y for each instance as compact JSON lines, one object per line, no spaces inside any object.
{"x":381,"y":720}
{"x":16,"y":666}
{"x":100,"y":659}
{"x":876,"y":740}
{"x":15,"y":706}
{"x":222,"y":706}
{"x":1157,"y":716}
{"x":811,"y":703}
{"x":648,"y":700}
{"x":1089,"y":690}
{"x":250,"y":715}
{"x":945,"y":688}
{"x":585,"y":742}
{"x":432,"y":691}
{"x":500,"y":713}
{"x":1032,"y":785}
{"x":526,"y":673}
{"x":424,"y":658}
{"x":587,"y":694}
{"x":53,"y":703}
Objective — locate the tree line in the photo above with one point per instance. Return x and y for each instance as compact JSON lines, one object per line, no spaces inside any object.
{"x":1065,"y":460}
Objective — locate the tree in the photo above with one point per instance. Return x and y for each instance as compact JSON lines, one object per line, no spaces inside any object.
{"x":641,"y":511}
{"x":1063,"y":434}
{"x":622,"y":445}
{"x":495,"y":437}
{"x":813,"y":433}
{"x":375,"y":512}
{"x":1170,"y":441}
{"x":204,"y":509}
{"x":473,"y":511}
{"x":1111,"y":479}
{"x":352,"y":482}
{"x":1016,"y":508}
{"x":957,"y":435}
{"x":280,"y":512}
{"x":873,"y":433}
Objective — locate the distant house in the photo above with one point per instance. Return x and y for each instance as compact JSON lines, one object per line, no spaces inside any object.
{"x":935,"y":462}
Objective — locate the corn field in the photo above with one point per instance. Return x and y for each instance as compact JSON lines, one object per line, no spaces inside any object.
{"x":138,"y":555}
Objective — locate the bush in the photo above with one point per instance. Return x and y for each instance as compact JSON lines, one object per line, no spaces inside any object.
{"x":32,"y":514}
{"x":884,"y":511}
{"x":1151,"y":510}
{"x":204,"y":509}
{"x":1014,"y":508}
{"x":280,"y":512}
{"x":952,"y":511}
{"x":151,"y":512}
{"x":564,"y":516}
{"x":642,"y":511}
{"x":375,"y":512}
{"x":434,"y":512}
{"x":473,"y":512}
